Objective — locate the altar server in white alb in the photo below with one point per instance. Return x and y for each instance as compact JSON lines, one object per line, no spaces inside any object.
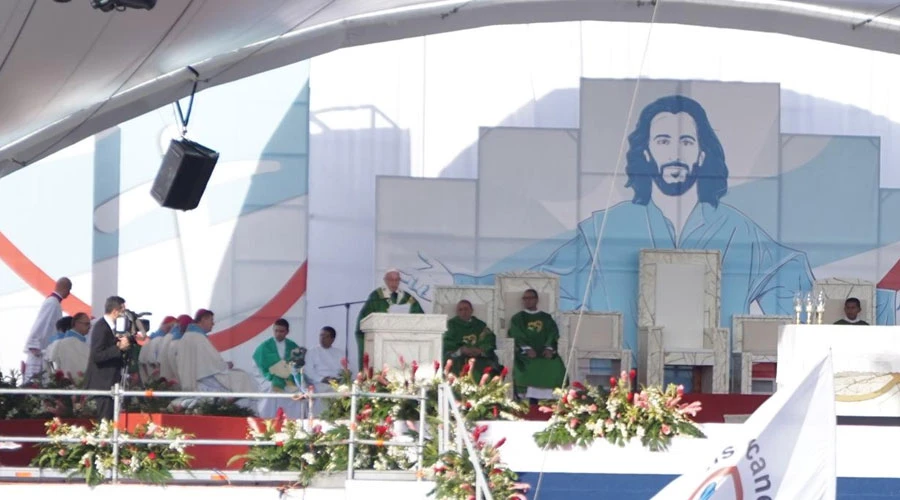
{"x":149,"y":359}
{"x":70,"y":354}
{"x":199,"y":365}
{"x":44,"y":327}
{"x":323,"y":365}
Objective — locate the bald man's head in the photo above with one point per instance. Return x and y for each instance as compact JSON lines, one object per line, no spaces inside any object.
{"x":392,"y":280}
{"x":63,"y":287}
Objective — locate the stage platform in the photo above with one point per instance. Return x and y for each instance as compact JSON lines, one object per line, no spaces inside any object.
{"x":865,"y":467}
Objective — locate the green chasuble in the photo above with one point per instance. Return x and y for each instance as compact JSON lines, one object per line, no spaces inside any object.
{"x":536,"y":330}
{"x":266,"y":355}
{"x":473,"y":333}
{"x":379,"y":301}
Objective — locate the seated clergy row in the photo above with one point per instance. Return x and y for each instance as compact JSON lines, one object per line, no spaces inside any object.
{"x":538,"y":367}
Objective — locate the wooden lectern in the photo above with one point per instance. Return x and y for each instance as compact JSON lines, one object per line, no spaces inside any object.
{"x":416,"y":337}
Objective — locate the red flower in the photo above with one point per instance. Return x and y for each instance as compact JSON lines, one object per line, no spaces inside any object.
{"x":345,"y":364}
{"x":279,"y":443}
{"x":612,"y":381}
{"x":279,"y":419}
{"x":578,"y":385}
{"x":487,"y":371}
{"x":630,"y":397}
{"x":151,"y":456}
{"x":59,"y":375}
{"x":437,"y":365}
{"x":632,"y":373}
{"x":500,"y":443}
{"x":504,"y":372}
{"x":414,"y":367}
{"x":495,"y":411}
{"x":365,"y":361}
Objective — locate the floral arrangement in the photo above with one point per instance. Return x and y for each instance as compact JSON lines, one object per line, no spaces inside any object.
{"x":295,"y":449}
{"x":454,"y":473}
{"x":483,"y":396}
{"x":155,"y":383}
{"x":381,"y":419}
{"x":14,"y":406}
{"x":91,"y":454}
{"x":213,"y":407}
{"x":585,"y":413}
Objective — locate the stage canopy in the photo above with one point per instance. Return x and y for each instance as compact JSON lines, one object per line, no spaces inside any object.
{"x":68,"y":71}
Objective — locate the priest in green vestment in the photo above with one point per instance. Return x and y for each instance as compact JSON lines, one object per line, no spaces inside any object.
{"x":538,"y":367}
{"x":380,"y":301}
{"x":272,"y":358}
{"x":468,"y":337}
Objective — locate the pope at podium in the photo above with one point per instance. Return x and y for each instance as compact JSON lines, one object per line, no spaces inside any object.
{"x":389,"y":298}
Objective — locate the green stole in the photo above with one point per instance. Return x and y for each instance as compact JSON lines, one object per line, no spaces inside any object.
{"x":536,"y":330}
{"x":474,"y":333}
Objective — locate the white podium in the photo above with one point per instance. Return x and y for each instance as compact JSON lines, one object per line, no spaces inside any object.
{"x":416,"y":337}
{"x":866,"y":361}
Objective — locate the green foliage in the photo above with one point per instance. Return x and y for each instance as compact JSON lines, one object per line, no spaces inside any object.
{"x":454,"y":473}
{"x":15,"y":406}
{"x":295,"y":448}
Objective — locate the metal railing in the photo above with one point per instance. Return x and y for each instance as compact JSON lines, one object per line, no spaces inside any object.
{"x":118,"y":394}
{"x":449,"y":418}
{"x":448,"y":408}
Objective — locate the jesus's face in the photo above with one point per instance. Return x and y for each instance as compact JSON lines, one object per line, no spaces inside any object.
{"x":675,"y":151}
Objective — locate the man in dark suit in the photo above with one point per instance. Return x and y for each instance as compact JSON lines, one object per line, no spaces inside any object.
{"x":106,"y":360}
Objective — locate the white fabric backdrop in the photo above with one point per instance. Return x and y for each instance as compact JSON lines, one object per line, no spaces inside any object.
{"x":414,"y":107}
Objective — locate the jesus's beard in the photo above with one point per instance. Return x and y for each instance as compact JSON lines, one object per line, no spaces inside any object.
{"x":678,"y":180}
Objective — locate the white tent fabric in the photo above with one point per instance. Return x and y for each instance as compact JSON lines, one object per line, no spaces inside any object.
{"x":68,"y":71}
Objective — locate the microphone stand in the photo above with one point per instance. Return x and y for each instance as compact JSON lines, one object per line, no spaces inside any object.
{"x":346,"y":306}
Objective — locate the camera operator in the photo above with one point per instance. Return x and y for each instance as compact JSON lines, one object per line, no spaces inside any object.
{"x":107,"y":355}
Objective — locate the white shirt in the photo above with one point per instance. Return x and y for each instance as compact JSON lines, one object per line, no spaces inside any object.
{"x":321,"y":363}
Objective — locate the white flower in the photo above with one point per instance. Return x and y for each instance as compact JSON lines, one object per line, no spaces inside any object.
{"x":308,"y":457}
{"x":280,"y":437}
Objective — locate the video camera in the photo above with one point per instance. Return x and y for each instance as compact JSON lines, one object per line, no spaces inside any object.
{"x":129,"y":324}
{"x":298,"y":358}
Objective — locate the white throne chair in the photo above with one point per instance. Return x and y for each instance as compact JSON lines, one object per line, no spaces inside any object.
{"x":678,"y":316}
{"x":837,"y":290}
{"x":508,"y":290}
{"x":600,"y":336}
{"x":755,"y":341}
{"x":482,"y":298}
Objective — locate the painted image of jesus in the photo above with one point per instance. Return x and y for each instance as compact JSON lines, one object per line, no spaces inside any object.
{"x":676,"y":167}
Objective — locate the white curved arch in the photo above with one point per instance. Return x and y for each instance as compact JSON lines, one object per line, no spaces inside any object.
{"x":334,"y":25}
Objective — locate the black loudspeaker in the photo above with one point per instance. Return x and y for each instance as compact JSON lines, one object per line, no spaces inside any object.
{"x":184,"y":173}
